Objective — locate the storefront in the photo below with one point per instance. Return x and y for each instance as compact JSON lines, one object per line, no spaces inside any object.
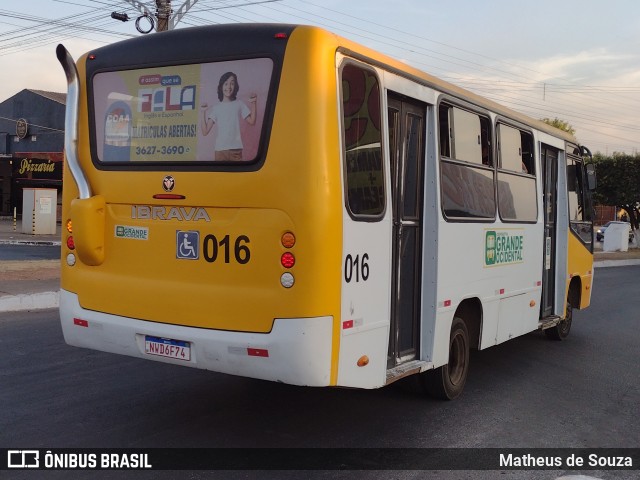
{"x":31,"y":145}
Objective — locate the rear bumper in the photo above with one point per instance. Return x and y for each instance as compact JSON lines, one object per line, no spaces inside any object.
{"x":297,"y":351}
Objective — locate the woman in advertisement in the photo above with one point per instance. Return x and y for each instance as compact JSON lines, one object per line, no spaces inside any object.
{"x":227,"y":115}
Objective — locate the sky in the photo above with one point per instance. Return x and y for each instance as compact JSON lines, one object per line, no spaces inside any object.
{"x":577,"y":60}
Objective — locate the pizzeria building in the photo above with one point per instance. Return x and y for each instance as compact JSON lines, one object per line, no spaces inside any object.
{"x":31,"y":145}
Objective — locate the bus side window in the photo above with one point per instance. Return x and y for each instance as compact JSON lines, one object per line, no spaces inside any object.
{"x":510,"y":149}
{"x":516,"y":150}
{"x":445,"y":130}
{"x":467,"y":136}
{"x":528,"y":165}
{"x":464,"y":135}
{"x":467,"y":185}
{"x":576,"y":191}
{"x":516,"y":175}
{"x":361,"y":114}
{"x":487,"y":158}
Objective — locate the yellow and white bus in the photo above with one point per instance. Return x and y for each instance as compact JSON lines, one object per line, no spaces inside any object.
{"x":277,"y":202}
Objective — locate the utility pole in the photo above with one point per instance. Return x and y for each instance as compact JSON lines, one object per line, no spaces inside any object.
{"x":163,"y":12}
{"x":161,"y":20}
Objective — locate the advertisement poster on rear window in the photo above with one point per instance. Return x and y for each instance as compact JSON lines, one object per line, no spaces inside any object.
{"x":212,"y":112}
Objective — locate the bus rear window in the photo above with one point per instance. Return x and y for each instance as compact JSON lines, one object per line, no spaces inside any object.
{"x":209,"y":112}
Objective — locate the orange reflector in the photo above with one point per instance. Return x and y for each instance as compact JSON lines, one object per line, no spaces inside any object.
{"x":363,"y":361}
{"x":288,"y":240}
{"x":70,"y":243}
{"x":69,"y":226}
{"x":288,"y":260}
{"x":532,"y":303}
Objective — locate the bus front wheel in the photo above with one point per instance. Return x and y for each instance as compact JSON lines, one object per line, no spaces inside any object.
{"x":562,"y":329}
{"x":447,"y":381}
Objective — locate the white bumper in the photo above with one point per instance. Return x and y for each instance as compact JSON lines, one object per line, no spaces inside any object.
{"x":297,"y":351}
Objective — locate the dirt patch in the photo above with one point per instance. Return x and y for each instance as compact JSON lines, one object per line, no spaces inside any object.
{"x":29,"y":269}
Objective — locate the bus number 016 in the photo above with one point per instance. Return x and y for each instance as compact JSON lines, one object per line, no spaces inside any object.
{"x":212,"y":246}
{"x":356,"y":267}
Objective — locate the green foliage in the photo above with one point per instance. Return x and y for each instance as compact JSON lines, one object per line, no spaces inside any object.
{"x":561,"y":124}
{"x":619,"y":183}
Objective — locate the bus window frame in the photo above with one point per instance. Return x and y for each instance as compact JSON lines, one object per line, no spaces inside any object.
{"x":384,"y":131}
{"x":193,"y":165}
{"x":507,"y":122}
{"x":455,"y":102}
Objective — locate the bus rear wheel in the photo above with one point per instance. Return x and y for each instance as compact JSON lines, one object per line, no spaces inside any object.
{"x":562,"y":329}
{"x":447,"y":382}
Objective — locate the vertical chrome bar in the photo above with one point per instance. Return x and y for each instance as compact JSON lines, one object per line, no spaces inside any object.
{"x":71,"y":121}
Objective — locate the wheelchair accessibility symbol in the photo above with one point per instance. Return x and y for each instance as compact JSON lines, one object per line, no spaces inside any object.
{"x":187,"y":244}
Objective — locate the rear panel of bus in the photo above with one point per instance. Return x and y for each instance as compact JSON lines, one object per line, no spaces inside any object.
{"x":193,"y":241}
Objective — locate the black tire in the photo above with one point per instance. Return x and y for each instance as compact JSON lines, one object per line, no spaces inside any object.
{"x":447,"y":382}
{"x":562,"y":329}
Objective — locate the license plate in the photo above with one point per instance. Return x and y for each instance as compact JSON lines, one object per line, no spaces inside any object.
{"x":167,"y":347}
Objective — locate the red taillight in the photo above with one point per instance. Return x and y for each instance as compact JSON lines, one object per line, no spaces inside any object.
{"x":280,"y":36}
{"x":70,"y":243}
{"x":287,"y":260}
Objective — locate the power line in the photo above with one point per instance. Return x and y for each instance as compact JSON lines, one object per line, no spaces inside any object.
{"x":508,"y":82}
{"x":57,"y":130}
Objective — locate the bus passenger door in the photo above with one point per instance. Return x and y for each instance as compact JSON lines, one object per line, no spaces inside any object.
{"x":550,"y":179}
{"x":406,"y":144}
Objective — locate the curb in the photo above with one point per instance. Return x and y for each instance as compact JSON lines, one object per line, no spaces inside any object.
{"x":19,"y":239}
{"x":29,"y":301}
{"x":615,"y":263}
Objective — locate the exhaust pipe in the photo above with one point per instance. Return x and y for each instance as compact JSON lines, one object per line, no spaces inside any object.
{"x":71,"y":121}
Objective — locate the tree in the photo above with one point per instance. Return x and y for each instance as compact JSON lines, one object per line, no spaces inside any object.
{"x":619,"y":184}
{"x":561,"y":124}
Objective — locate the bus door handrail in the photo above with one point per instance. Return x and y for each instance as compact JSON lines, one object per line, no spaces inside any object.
{"x":71,"y":121}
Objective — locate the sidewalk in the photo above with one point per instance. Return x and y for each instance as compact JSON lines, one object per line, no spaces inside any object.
{"x":28,"y":284}
{"x":34,"y":284}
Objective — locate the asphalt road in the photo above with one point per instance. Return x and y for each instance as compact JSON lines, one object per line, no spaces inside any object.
{"x":527,"y":393}
{"x":29,"y":252}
